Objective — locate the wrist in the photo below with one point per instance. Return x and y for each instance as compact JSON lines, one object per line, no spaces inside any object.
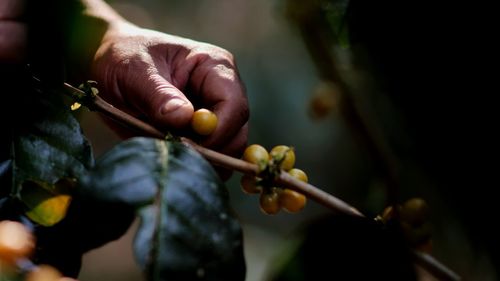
{"x":90,"y":24}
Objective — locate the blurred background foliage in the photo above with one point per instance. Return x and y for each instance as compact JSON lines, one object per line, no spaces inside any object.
{"x":425,"y":129}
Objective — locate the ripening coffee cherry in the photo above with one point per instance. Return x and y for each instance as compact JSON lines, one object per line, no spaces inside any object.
{"x":284,"y":154}
{"x":204,"y":122}
{"x":323,"y":100}
{"x":415,"y":211}
{"x":298,"y":174}
{"x":16,"y":241}
{"x":290,"y":200}
{"x":269,"y":202}
{"x":256,"y":154}
{"x":249,"y":184}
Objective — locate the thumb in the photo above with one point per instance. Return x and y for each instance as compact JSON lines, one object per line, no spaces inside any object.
{"x":162,"y":103}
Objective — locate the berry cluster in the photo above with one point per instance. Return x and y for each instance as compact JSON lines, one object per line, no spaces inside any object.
{"x":273,"y":198}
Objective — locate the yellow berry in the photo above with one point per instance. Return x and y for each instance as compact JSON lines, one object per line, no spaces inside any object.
{"x":256,"y":154}
{"x":415,"y":211}
{"x":204,"y":122}
{"x":283,"y":155}
{"x":292,"y":201}
{"x":269,"y":202}
{"x":249,"y":184}
{"x":298,"y":174}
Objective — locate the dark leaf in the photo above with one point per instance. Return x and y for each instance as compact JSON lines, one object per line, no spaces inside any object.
{"x":5,"y":177}
{"x":188,"y":230}
{"x":49,"y":144}
{"x":42,"y":154}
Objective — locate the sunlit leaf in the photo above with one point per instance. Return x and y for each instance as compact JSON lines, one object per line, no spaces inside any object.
{"x":43,"y":206}
{"x":75,"y":106}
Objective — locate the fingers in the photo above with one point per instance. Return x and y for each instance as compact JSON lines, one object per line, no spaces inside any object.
{"x":146,"y":89}
{"x":216,"y":83}
{"x":144,"y":77}
{"x":13,"y":37}
{"x":235,"y":148}
{"x":237,"y":144}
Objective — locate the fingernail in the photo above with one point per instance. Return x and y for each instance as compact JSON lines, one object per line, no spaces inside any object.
{"x":172,"y":105}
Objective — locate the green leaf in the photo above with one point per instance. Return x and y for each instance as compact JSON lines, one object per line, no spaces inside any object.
{"x":46,"y":146}
{"x":43,"y":147}
{"x":50,"y":145}
{"x":188,"y":230}
{"x":44,"y":207}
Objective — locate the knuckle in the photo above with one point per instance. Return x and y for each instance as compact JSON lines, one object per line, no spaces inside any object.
{"x":216,"y":54}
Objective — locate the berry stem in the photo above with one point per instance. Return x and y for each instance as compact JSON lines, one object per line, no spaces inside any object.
{"x":98,"y":104}
{"x":434,"y":267}
{"x":284,"y":179}
{"x":219,"y":159}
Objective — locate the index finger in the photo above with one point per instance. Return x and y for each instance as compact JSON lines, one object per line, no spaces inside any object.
{"x":221,"y":89}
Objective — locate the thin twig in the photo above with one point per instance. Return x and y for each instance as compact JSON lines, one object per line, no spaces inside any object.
{"x":217,"y":158}
{"x":284,"y":179}
{"x":318,"y":195}
{"x":434,"y":267}
{"x":119,"y":116}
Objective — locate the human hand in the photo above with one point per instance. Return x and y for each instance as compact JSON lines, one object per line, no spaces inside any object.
{"x":158,"y":77}
{"x":13,"y":34}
